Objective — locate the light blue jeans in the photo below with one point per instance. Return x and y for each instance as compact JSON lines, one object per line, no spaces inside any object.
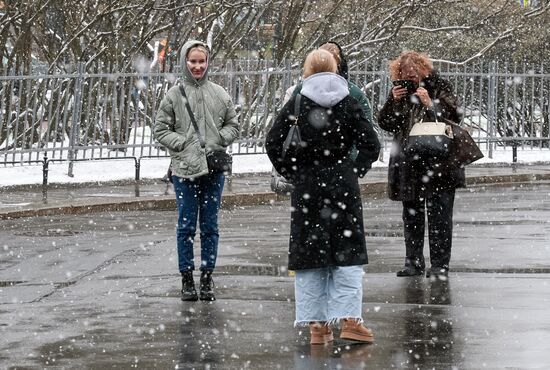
{"x":328,"y":294}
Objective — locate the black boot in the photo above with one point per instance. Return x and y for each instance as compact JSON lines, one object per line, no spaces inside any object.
{"x":410,"y":271}
{"x":438,"y":272}
{"x":188,"y":292}
{"x":206,"y":290}
{"x":413,"y":267}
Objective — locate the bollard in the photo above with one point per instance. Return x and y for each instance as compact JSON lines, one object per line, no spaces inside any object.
{"x":137,"y":163}
{"x":229,"y":181}
{"x":45,"y":179}
{"x":514,"y":156}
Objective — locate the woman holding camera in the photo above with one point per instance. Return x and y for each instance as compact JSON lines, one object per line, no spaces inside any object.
{"x":198,"y":190}
{"x":422,"y":186}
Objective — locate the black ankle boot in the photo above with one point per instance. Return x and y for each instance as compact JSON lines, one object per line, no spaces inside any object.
{"x":206,"y":289}
{"x":410,"y":271}
{"x":188,"y":292}
{"x":438,"y":272}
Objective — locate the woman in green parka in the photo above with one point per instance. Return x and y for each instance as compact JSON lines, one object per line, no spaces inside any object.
{"x":198,"y":191}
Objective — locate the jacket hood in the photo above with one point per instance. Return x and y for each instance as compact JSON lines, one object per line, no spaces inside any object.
{"x":326,"y":89}
{"x":187,"y":76}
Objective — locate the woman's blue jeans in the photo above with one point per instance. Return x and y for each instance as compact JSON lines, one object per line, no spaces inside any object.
{"x":198,"y":198}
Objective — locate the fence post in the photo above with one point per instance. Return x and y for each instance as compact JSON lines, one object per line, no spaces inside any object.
{"x":232,"y":88}
{"x":235,"y":90}
{"x":73,"y":140}
{"x":287,"y":76}
{"x":383,"y":93}
{"x":491,"y":97}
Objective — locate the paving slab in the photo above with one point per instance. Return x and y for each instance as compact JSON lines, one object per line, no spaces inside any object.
{"x":101,"y":290}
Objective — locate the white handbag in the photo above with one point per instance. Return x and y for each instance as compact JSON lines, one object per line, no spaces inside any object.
{"x":429,"y":141}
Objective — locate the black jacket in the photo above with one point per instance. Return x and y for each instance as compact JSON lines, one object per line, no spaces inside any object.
{"x":408,"y":179}
{"x":327,"y":215}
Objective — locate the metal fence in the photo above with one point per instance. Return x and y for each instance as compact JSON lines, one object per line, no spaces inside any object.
{"x":504,"y":105}
{"x":89,"y":116}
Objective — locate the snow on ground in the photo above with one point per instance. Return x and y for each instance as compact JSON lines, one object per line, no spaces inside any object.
{"x":119,"y":169}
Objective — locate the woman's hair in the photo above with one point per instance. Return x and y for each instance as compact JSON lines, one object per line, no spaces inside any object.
{"x":318,"y":61}
{"x":338,"y":53}
{"x":418,"y":62}
{"x":197,"y":47}
{"x":333,"y":49}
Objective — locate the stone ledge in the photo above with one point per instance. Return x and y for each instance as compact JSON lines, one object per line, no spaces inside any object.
{"x":162,"y":203}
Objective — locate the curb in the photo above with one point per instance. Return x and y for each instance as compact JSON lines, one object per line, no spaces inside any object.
{"x":230,"y":200}
{"x":504,"y":179}
{"x":161,"y":203}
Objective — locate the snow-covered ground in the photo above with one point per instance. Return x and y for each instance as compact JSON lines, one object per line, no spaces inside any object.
{"x":107,"y":170}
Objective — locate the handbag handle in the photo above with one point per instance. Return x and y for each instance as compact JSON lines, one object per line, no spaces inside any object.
{"x":433,"y":109}
{"x":448,"y":128}
{"x":297,"y":107}
{"x":192,"y":116}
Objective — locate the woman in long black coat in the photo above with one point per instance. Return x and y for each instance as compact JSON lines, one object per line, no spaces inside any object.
{"x":327,"y":242}
{"x":421,"y":184}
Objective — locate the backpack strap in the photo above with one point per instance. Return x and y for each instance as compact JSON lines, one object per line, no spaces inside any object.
{"x":297,"y":107}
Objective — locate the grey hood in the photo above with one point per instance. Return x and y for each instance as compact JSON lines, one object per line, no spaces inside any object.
{"x":183,"y":58}
{"x":325,"y":88}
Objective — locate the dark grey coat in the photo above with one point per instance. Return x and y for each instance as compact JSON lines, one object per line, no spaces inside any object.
{"x":407,"y":179}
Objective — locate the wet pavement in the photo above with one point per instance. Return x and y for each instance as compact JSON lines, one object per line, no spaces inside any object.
{"x":101,"y":290}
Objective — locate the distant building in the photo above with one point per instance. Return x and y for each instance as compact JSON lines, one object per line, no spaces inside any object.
{"x":529,"y":3}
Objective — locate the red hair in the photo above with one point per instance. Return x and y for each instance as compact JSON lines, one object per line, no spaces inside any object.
{"x":418,"y":62}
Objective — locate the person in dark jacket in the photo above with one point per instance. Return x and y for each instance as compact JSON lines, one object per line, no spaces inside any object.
{"x":336,"y":50}
{"x":279,"y":183}
{"x":421,"y":185}
{"x":327,"y":240}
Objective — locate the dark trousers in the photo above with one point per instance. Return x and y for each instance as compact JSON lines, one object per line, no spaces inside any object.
{"x":439,"y":207}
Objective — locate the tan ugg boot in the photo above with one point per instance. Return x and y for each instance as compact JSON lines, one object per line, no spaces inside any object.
{"x":320,"y":333}
{"x":354,"y":330}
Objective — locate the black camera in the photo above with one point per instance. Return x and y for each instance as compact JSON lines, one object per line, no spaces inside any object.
{"x":407,"y":84}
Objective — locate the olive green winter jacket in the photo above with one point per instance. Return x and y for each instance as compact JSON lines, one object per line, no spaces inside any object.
{"x":213,"y":111}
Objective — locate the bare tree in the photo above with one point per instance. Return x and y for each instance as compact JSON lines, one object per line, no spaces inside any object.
{"x":120,"y":35}
{"x":118,"y":32}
